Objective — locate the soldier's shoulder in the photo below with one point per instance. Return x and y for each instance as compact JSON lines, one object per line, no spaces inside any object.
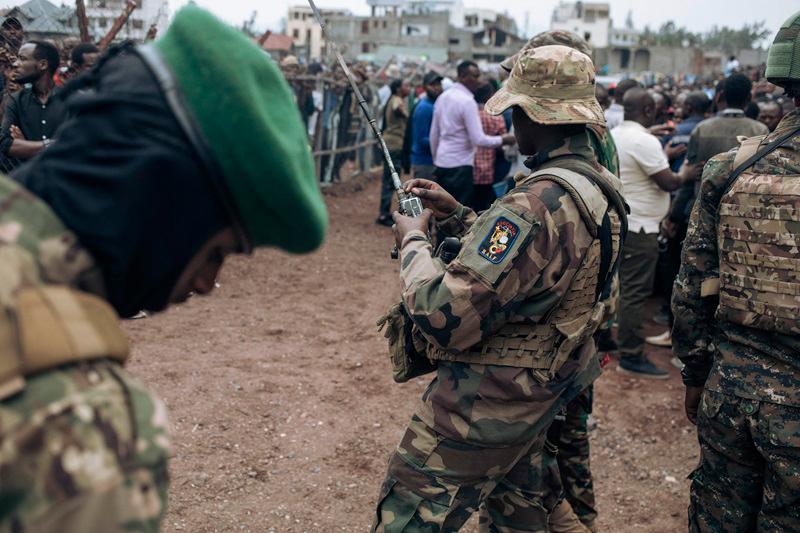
{"x":718,"y":168}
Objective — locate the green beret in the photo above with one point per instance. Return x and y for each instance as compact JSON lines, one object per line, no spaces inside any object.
{"x":249,"y":120}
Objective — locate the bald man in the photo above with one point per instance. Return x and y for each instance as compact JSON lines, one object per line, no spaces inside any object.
{"x":769,"y":114}
{"x":646,"y":182}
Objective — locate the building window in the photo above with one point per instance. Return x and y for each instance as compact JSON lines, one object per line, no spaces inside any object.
{"x":296,"y":15}
{"x":587,"y":36}
{"x":364,"y":48}
{"x":100,"y":4}
{"x":295,"y":33}
{"x":384,"y":24}
{"x":138,"y":24}
{"x":102,"y":22}
{"x":365,"y":27}
{"x":308,"y":36}
{"x":588,"y":16}
{"x":455,"y":41}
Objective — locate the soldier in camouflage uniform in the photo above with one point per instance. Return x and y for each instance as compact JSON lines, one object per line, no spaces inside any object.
{"x":566,"y":466}
{"x":510,"y":320}
{"x":736,"y":303}
{"x":131,"y":210}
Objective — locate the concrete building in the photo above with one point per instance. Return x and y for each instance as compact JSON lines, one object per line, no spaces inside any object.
{"x":102,"y":13}
{"x":306,"y":33}
{"x":590,"y":20}
{"x":420,"y":31}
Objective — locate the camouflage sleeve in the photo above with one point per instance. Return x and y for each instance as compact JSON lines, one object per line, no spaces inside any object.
{"x":505,"y":256}
{"x":694,"y":297}
{"x":457,"y":224}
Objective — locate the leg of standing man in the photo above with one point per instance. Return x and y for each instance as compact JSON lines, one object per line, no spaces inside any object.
{"x":636,"y":275}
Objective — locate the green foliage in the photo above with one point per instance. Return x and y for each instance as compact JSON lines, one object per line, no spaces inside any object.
{"x":723,"y":38}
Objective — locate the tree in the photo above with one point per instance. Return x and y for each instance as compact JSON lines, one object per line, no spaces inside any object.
{"x":723,"y":38}
{"x":730,"y":40}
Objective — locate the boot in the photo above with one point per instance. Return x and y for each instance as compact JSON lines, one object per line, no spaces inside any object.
{"x":564,"y":520}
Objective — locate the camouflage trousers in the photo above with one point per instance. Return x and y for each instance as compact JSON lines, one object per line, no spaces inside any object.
{"x":749,"y":473}
{"x":563,"y":467}
{"x":573,"y":458}
{"x":83,"y":448}
{"x":476,"y":437}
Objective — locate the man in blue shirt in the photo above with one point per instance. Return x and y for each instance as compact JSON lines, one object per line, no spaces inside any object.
{"x":420,"y":157}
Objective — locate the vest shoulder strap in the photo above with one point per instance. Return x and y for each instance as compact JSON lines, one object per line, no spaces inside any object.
{"x":592,"y":204}
{"x":747,"y":148}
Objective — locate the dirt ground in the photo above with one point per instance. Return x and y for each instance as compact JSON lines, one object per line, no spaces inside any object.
{"x":284,"y":412}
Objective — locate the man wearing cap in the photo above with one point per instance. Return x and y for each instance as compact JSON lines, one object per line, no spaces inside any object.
{"x":737,"y":326}
{"x":136,"y":208}
{"x":509,"y":321}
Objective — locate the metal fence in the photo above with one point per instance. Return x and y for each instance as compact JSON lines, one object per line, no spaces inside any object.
{"x":341,"y":140}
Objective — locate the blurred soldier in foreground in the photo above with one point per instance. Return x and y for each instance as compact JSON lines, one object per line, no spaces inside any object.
{"x":134,"y":208}
{"x":509,"y":321}
{"x":737,"y":323}
{"x":565,"y":470}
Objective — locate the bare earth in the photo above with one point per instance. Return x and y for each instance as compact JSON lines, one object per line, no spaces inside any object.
{"x":284,"y":412}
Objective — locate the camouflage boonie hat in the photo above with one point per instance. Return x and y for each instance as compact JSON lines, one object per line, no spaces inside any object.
{"x":783,"y":60}
{"x":553,"y":85}
{"x":547,"y":38}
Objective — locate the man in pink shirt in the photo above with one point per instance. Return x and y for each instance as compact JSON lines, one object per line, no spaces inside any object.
{"x":456,"y":131}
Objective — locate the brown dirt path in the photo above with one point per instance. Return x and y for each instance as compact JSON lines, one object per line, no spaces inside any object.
{"x":284,"y":412}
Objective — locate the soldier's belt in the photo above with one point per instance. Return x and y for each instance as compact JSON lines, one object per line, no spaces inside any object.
{"x":50,"y":326}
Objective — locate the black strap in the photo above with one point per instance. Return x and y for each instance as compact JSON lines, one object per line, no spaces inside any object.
{"x":606,"y":248}
{"x":766,"y":149}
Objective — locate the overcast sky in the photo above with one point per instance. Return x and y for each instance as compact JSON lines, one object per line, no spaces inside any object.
{"x":697,"y":15}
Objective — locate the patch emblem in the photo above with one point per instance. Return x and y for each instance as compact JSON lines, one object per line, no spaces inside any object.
{"x":498,"y":241}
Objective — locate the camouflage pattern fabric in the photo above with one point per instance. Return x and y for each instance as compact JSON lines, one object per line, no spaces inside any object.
{"x":749,"y":473}
{"x":83,"y":447}
{"x":553,"y":85}
{"x":477,"y":435}
{"x":748,"y":362}
{"x":749,"y":420}
{"x":546,"y":38}
{"x":604,"y":148}
{"x":573,"y":458}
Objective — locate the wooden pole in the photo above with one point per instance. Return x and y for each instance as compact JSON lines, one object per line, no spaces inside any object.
{"x":117,"y":26}
{"x":264,"y":37}
{"x":83,"y":22}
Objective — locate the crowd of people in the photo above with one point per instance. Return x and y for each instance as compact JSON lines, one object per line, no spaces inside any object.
{"x":569,"y":204}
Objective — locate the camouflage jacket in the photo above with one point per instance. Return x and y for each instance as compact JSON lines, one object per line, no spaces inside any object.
{"x":727,"y":357}
{"x":83,"y":447}
{"x":470,"y":299}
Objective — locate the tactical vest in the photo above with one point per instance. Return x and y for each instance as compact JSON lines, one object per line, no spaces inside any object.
{"x":53,"y":325}
{"x":758,"y":236}
{"x":546,"y":346}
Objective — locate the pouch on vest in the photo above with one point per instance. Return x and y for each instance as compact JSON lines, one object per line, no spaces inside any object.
{"x":50,"y":326}
{"x":406,"y":345}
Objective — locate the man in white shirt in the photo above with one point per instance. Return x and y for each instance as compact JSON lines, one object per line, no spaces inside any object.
{"x":646,"y":182}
